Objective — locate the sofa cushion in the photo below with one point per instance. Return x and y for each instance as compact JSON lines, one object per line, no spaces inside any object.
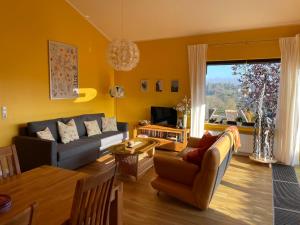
{"x":77,"y":147}
{"x":107,"y":138}
{"x":79,"y":124}
{"x":111,"y":137}
{"x":92,"y":128}
{"x":33,"y":127}
{"x":91,"y":117}
{"x":67,"y":132}
{"x":45,"y":134}
{"x":109,"y":124}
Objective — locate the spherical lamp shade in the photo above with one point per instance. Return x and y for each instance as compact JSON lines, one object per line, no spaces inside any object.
{"x":123,"y":55}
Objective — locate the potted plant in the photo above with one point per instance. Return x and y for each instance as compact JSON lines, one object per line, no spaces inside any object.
{"x":239,"y":121}
{"x":184,"y":107}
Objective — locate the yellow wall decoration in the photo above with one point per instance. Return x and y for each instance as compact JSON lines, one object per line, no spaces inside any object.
{"x":26,"y":27}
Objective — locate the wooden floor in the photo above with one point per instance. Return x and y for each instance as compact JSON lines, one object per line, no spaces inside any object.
{"x":244,"y":197}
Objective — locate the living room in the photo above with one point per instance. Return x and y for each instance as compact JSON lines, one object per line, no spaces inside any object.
{"x":150,"y":92}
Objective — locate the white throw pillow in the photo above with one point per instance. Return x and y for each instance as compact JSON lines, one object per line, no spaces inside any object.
{"x":109,"y":124}
{"x":67,"y":132}
{"x":45,"y":134}
{"x":92,"y":127}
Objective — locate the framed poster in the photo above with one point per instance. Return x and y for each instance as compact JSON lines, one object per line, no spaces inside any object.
{"x":159,"y":86}
{"x":63,"y":70}
{"x":174,"y":85}
{"x":144,"y":85}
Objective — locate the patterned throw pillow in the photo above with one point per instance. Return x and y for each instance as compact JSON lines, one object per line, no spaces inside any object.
{"x":67,"y":132}
{"x":45,"y":134}
{"x":92,"y":127}
{"x":109,"y":124}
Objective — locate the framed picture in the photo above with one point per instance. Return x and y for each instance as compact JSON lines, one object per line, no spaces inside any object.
{"x":174,"y":85}
{"x":144,"y":85}
{"x":63,"y":70}
{"x":159,"y":86}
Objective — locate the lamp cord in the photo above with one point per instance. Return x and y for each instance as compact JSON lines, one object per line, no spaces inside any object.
{"x":122,"y":19}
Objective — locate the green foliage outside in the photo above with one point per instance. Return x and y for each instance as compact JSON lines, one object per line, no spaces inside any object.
{"x":222,"y":96}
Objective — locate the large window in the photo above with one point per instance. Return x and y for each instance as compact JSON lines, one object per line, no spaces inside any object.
{"x":238,"y":85}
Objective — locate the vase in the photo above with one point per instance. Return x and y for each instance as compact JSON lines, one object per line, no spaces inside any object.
{"x":184,"y":121}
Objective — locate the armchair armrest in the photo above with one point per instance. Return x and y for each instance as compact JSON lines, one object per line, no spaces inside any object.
{"x":175,"y":169}
{"x":122,"y":126}
{"x":34,"y":152}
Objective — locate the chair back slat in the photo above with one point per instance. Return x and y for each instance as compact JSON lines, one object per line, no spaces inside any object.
{"x":26,"y":217}
{"x":10,"y":165}
{"x":92,"y":199}
{"x":9,"y":162}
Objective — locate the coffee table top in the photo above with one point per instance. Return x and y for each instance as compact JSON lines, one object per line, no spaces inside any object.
{"x":140,"y":145}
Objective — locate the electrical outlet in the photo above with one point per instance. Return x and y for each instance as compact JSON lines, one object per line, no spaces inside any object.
{"x":4,"y":112}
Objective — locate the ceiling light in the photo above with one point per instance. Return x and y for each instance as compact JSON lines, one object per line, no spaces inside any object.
{"x":123,"y":54}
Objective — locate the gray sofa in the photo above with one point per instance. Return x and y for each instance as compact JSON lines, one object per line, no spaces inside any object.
{"x":34,"y":152}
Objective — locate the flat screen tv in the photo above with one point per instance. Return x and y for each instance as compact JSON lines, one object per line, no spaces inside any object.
{"x":164,"y":116}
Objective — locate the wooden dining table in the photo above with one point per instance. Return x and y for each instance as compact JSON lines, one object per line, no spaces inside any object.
{"x":52,"y":189}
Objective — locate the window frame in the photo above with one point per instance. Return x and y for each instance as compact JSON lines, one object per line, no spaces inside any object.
{"x":252,"y":61}
{"x":231,"y":62}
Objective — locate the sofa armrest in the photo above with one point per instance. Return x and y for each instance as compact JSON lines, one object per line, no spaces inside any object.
{"x":175,"y":169}
{"x":122,"y":126}
{"x":34,"y":152}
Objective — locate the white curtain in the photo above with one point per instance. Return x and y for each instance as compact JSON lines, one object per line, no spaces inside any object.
{"x":197,"y":70}
{"x":287,"y":134}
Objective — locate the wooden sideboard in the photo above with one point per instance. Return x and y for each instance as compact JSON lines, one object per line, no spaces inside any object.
{"x":172,"y":139}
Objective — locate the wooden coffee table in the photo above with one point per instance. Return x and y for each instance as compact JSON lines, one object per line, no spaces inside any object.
{"x":134,"y":161}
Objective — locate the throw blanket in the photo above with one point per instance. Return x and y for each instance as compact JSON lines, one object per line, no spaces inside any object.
{"x":236,"y":136}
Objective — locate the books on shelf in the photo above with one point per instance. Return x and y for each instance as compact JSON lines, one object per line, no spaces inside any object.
{"x":161,"y":134}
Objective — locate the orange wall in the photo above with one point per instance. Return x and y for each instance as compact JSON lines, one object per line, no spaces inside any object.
{"x":26,"y":26}
{"x":167,"y":59}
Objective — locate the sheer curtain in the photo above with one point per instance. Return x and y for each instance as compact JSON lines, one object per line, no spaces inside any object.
{"x":287,"y":134}
{"x":197,"y":70}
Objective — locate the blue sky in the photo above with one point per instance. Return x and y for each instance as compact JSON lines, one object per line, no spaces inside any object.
{"x":220,"y":73}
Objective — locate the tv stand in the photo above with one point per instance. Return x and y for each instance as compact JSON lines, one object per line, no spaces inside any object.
{"x":171,"y":139}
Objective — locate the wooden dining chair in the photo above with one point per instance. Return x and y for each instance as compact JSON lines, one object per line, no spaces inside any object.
{"x":9,"y":162}
{"x":26,"y":217}
{"x":91,"y":201}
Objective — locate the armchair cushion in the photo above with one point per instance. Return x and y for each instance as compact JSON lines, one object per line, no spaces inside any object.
{"x":203,"y":145}
{"x":200,"y":142}
{"x":175,"y":169}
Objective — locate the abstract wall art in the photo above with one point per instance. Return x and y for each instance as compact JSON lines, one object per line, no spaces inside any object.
{"x":174,"y":85}
{"x":144,"y":85}
{"x":159,"y":86}
{"x":63,"y":70}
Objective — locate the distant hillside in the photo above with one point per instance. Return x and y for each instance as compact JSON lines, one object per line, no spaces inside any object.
{"x":222,"y":95}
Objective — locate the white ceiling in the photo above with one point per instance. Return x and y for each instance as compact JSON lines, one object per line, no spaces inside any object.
{"x":156,"y":19}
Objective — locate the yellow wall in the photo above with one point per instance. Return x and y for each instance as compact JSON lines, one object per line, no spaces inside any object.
{"x":167,"y":59}
{"x":24,"y":80}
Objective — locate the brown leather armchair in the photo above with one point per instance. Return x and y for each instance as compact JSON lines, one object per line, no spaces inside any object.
{"x":190,"y":183}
